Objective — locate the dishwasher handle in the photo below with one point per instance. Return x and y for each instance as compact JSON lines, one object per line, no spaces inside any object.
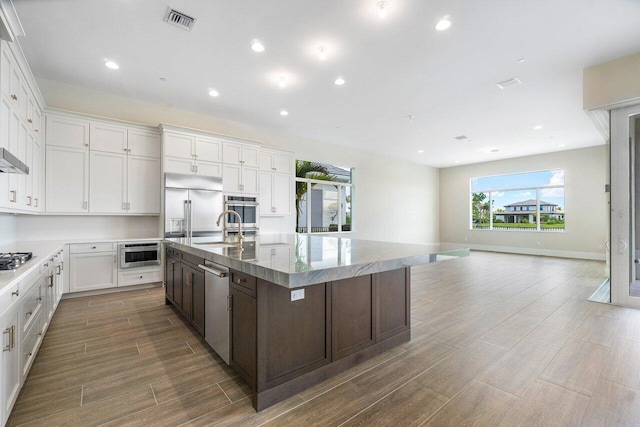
{"x":213,"y":271}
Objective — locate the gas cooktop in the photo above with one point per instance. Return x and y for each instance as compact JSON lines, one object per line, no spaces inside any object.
{"x":13,"y":260}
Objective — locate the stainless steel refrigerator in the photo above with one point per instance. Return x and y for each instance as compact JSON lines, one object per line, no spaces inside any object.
{"x":192,"y":204}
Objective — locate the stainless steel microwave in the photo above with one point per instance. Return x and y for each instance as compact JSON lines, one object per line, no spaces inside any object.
{"x":141,"y":254}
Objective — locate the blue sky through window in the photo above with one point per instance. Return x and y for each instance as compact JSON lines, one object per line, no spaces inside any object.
{"x":502,"y":183}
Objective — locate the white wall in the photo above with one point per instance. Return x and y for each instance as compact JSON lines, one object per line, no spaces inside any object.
{"x":7,"y":228}
{"x":585,"y":205}
{"x":393,"y":200}
{"x":47,"y":227}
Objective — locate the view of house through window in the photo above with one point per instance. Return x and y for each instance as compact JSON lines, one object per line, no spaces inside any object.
{"x":531,"y":201}
{"x":323,"y":198}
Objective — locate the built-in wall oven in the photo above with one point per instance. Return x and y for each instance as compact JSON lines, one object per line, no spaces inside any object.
{"x":247,"y":207}
{"x":140,"y":254}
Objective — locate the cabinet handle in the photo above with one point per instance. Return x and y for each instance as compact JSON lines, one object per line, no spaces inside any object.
{"x":35,"y":204}
{"x":273,"y":210}
{"x":39,"y":299}
{"x":114,"y":259}
{"x":229,"y":302}
{"x":93,"y":247}
{"x":86,"y":145}
{"x":124,"y":206}
{"x":196,"y":167}
{"x":29,"y":121}
{"x":58,"y":270}
{"x":14,"y":196}
{"x":241,"y":161}
{"x":128,"y":150}
{"x":29,"y":200}
{"x":51,"y":281}
{"x":8,"y":346}
{"x":274,"y":169}
{"x":39,"y":334}
{"x":239,"y":281}
{"x":125,"y":150}
{"x":15,"y":293}
{"x":29,"y":313}
{"x":62,"y":266}
{"x":36,"y":130}
{"x":14,"y":97}
{"x":28,"y":354}
{"x":195,"y":156}
{"x":13,"y":336}
{"x":141,"y":277}
{"x":84,"y":205}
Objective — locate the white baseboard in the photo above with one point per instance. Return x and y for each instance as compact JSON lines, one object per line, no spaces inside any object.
{"x":531,"y":251}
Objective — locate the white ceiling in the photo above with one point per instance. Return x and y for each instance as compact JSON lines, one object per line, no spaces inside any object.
{"x":394,"y":68}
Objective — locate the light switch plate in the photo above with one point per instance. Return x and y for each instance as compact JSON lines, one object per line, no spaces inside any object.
{"x":297,"y":294}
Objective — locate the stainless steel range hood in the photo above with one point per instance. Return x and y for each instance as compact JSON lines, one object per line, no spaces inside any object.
{"x":10,"y":163}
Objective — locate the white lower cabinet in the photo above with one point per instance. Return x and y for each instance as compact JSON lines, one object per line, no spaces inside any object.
{"x":10,"y":360}
{"x":93,"y":269}
{"x":139,"y":276}
{"x":26,"y":310}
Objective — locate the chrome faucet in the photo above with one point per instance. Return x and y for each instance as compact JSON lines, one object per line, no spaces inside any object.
{"x":228,"y":211}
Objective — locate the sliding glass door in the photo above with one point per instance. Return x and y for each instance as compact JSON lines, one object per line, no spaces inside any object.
{"x":625,"y":206}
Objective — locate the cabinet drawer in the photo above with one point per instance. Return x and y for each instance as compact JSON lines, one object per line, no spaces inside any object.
{"x":30,"y":344}
{"x":192,"y":259}
{"x":83,"y":248}
{"x":244,"y":282}
{"x":138,"y":277}
{"x":10,"y":295}
{"x":174,"y":253}
{"x":30,"y":308}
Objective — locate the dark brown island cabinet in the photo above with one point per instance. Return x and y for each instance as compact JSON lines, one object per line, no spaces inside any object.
{"x":280,"y":347}
{"x":184,"y":286}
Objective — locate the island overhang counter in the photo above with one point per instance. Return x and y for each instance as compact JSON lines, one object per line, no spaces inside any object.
{"x":304,"y":308}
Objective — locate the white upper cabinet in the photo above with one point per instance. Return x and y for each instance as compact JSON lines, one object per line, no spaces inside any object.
{"x":67,"y":132}
{"x":144,"y":143}
{"x":178,"y":165}
{"x":194,"y":147}
{"x":208,"y":149}
{"x":235,"y":153}
{"x":67,"y":182}
{"x":271,"y":161}
{"x":6,"y":62}
{"x":108,"y":182}
{"x":239,"y":179}
{"x":207,"y":168}
{"x":143,"y":185}
{"x":178,"y":145}
{"x":108,"y":138}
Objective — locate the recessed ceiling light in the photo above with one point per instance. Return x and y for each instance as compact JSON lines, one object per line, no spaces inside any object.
{"x":457,"y":161}
{"x":383,"y":7}
{"x":163,"y":79}
{"x":339,"y":81}
{"x":495,"y":150}
{"x":112,"y":65}
{"x":561,"y":145}
{"x":537,"y":127}
{"x":213,"y":93}
{"x":443,"y":24}
{"x":284,"y":113}
{"x":322,"y":53}
{"x":420,"y":151}
{"x":257,"y":46}
{"x":521,"y":60}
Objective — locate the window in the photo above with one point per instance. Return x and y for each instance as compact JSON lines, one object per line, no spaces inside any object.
{"x":531,"y":201}
{"x":324,"y":198}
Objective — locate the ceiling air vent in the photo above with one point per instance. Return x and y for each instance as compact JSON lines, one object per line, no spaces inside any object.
{"x":460,"y":137}
{"x":508,"y":83}
{"x":179,"y":19}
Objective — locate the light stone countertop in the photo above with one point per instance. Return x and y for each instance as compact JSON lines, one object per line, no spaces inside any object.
{"x":43,"y":250}
{"x":295,"y":260}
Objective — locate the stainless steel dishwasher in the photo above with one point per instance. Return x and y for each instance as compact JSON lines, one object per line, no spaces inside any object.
{"x":216,"y":311}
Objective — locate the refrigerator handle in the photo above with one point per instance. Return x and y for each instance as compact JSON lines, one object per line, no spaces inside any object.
{"x":190,"y":218}
{"x":185,"y":223}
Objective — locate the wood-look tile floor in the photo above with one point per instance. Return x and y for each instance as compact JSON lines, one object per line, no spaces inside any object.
{"x":497,"y":339}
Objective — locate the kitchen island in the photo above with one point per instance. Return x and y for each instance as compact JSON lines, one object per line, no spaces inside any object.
{"x":302,"y":308}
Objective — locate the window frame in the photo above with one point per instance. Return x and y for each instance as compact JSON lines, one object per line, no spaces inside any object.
{"x":341,"y":186}
{"x":538,"y":212}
